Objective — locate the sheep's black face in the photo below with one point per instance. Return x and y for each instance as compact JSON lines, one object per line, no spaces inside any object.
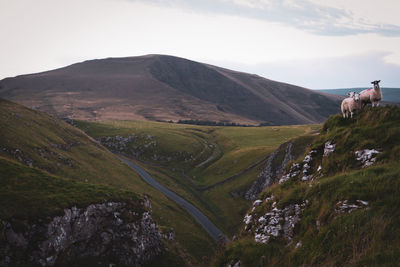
{"x":376,"y":82}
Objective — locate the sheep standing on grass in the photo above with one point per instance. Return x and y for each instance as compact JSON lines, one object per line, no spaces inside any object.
{"x":350,"y":104}
{"x":373,"y":95}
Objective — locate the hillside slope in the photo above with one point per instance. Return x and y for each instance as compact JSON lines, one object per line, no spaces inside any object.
{"x":44,"y":218}
{"x":157,"y":87}
{"x":36,"y":148}
{"x":336,"y":206}
{"x":38,"y":140}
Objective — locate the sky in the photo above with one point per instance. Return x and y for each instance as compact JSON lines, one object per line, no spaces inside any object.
{"x":318,"y":44}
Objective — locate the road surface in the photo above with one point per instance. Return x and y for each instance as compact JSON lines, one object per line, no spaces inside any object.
{"x":192,"y":210}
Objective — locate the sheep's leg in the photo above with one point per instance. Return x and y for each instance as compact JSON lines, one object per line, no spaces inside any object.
{"x":377,"y":103}
{"x":351,"y":114}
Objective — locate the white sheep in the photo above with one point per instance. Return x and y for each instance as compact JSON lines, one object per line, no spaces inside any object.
{"x":350,"y":104}
{"x":373,"y":95}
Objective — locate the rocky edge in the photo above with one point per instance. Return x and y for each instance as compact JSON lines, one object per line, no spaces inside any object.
{"x":114,"y":231}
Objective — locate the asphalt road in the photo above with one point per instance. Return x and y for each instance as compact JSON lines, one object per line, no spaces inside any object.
{"x":192,"y":210}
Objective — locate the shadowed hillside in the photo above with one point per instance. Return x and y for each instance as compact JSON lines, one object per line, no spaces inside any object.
{"x":157,"y":87}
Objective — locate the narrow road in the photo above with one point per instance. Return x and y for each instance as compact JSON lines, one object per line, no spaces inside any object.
{"x":213,"y":231}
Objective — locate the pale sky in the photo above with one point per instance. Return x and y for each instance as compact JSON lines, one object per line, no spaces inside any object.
{"x":312,"y":43}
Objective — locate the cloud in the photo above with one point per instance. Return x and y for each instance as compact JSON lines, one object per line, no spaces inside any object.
{"x":328,"y":73}
{"x":302,"y":14}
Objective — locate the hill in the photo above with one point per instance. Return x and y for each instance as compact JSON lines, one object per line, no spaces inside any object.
{"x":158,"y":87}
{"x":335,"y":206}
{"x":48,"y":166}
{"x":388,"y":94}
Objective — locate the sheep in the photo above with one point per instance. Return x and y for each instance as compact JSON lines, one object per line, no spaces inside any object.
{"x":373,"y":95}
{"x":350,"y":104}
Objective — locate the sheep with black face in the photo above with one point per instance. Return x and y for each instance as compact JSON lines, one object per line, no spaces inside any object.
{"x":350,"y":104}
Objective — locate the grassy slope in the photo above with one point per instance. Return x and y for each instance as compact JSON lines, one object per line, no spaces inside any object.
{"x":64,"y":150}
{"x":29,"y":193}
{"x":233,"y":149}
{"x":26,"y":129}
{"x":365,"y":237}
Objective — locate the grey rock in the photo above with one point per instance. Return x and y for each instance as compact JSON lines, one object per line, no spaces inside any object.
{"x":274,"y":223}
{"x":346,"y":207}
{"x":270,"y":173}
{"x":329,"y":148}
{"x":367,"y":156}
{"x":106,"y":230}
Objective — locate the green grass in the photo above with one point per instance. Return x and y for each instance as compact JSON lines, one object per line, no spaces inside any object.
{"x":366,"y":237}
{"x":28,"y":193}
{"x":233,"y":149}
{"x":57,"y":147}
{"x":93,"y":166}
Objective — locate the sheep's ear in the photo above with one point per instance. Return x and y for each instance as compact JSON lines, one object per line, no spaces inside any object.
{"x":372,"y":82}
{"x":379,"y":81}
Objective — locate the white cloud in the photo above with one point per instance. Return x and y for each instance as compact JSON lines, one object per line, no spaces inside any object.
{"x":318,"y":17}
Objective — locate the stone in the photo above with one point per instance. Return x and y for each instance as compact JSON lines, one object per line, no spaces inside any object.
{"x":257,"y":203}
{"x":275,"y":223}
{"x":104,"y":230}
{"x":329,"y":148}
{"x":346,"y":207}
{"x":270,"y":173}
{"x":367,"y":156}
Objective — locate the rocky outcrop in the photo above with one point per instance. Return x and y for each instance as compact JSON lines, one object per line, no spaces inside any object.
{"x":143,"y":147}
{"x":117,"y":143}
{"x":346,"y":206}
{"x":304,"y":167}
{"x":271,"y":172}
{"x":329,"y":148}
{"x":117,"y":232}
{"x":294,"y":171}
{"x":367,"y":156}
{"x":275,"y":223}
{"x":307,"y":166}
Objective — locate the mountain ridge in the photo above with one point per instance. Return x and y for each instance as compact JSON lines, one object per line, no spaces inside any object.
{"x":160,"y":87}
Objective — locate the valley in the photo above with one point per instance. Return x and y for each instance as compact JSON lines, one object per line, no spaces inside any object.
{"x":186,"y":159}
{"x":162,"y":161}
{"x":169,"y":155}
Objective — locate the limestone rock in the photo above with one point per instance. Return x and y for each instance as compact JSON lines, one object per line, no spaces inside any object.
{"x":110,"y":230}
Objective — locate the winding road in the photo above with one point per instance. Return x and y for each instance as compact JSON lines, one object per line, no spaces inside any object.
{"x":211,"y":229}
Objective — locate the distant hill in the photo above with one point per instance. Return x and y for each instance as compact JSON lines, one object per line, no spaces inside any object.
{"x":158,"y":87}
{"x":388,"y":94}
